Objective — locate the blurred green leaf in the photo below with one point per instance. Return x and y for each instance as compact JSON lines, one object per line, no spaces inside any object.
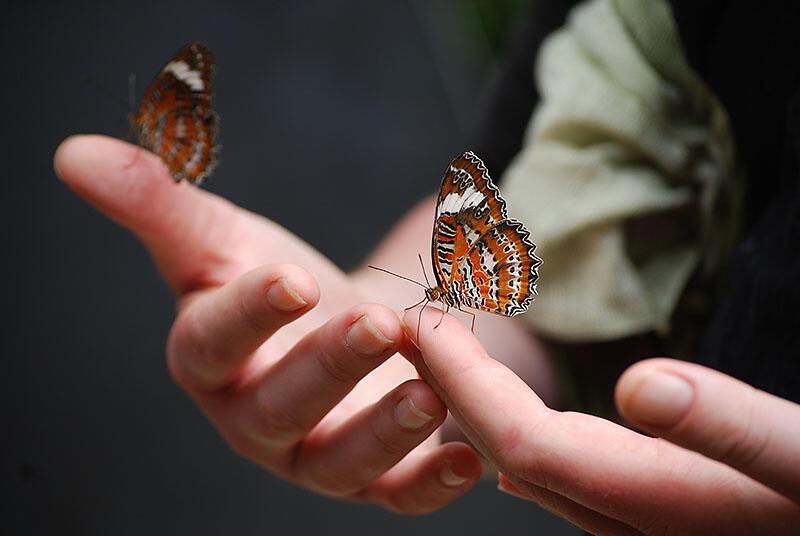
{"x":497,"y":18}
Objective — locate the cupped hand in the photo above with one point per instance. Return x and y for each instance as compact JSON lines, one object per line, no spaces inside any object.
{"x":277,"y":356}
{"x":726,"y":459}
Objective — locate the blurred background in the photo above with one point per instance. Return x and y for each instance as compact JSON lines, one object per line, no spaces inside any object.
{"x":357,"y":102}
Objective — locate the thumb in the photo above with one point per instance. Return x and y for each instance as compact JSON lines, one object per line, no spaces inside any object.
{"x":717,"y":416}
{"x":183,"y":227}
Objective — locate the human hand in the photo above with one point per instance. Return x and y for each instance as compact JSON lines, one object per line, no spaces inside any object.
{"x":727,"y":459}
{"x":276,"y":356}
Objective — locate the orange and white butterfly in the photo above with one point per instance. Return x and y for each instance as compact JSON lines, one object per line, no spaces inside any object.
{"x":175,"y":119}
{"x":481,"y":259}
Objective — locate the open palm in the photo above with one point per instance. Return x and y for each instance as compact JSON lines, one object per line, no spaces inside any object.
{"x":277,"y":356}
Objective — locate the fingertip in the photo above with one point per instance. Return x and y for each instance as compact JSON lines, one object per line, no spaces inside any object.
{"x":289,"y":288}
{"x":652,"y":395}
{"x":92,"y":154}
{"x":127,"y":183}
{"x":424,"y":399}
{"x":421,"y":485}
{"x":429,"y":322}
{"x":62,"y":157}
{"x":365,"y":339}
{"x":462,"y":465}
{"x":217,"y":332}
{"x":283,"y":297}
{"x":379,"y":322}
{"x":409,"y":323}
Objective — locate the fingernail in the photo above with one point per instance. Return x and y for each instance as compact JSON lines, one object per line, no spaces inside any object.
{"x":365,"y":339}
{"x":284,"y":298}
{"x":505,"y":485}
{"x":449,"y":477}
{"x":409,"y":416}
{"x":659,"y":398}
{"x":411,"y":332}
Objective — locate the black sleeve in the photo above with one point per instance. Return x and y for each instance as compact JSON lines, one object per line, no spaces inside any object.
{"x":755,"y":334}
{"x":748,"y":58}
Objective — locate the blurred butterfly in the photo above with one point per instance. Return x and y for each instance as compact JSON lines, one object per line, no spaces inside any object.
{"x":175,"y":119}
{"x":481,"y":259}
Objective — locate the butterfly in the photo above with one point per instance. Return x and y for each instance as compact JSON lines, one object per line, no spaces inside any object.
{"x":175,"y":119}
{"x":481,"y":259}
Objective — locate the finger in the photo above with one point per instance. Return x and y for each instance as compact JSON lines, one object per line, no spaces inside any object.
{"x":285,"y":401}
{"x":585,"y":518}
{"x":644,"y":482}
{"x":345,"y":459}
{"x":216,"y":334}
{"x":718,"y":416}
{"x":456,"y":365}
{"x":423,"y":484}
{"x":182,"y":226}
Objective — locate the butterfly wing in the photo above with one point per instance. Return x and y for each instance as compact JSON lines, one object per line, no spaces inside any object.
{"x":499,"y":272}
{"x":469,"y":204}
{"x":175,"y":119}
{"x":478,"y":254}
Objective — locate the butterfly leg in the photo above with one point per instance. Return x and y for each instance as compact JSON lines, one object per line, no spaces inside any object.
{"x":412,"y":306}
{"x":473,"y":315}
{"x":419,"y":318}
{"x":444,"y":312}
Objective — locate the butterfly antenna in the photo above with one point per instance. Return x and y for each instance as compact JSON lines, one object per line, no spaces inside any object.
{"x":397,"y":275}
{"x":424,"y":273}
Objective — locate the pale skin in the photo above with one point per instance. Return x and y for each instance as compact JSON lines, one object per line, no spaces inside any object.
{"x":299,"y":374}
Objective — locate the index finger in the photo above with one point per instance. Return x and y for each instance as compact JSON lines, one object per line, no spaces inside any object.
{"x":605,"y":467}
{"x":464,"y":375}
{"x":183,"y":227}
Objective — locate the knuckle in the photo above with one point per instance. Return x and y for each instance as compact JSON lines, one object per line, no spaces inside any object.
{"x":336,"y":367}
{"x":192,"y":335}
{"x":334,"y":483}
{"x":510,"y":453}
{"x":186,"y":352}
{"x":241,"y":447}
{"x":176,"y":370}
{"x":273,"y":425}
{"x":253,"y":316}
{"x":740,"y":444}
{"x":244,"y":447}
{"x":516,"y":454}
{"x":384,"y":442}
{"x":410,"y":506}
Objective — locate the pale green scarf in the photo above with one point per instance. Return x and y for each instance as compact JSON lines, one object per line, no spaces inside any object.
{"x":625,"y":136}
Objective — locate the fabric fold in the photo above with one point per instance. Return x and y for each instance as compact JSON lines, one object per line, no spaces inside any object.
{"x":624,"y":131}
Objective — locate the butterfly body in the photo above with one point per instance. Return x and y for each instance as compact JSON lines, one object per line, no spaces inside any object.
{"x":451,"y":299}
{"x":175,"y":119}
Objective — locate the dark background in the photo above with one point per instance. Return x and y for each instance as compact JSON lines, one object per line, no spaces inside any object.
{"x":336,"y":117}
